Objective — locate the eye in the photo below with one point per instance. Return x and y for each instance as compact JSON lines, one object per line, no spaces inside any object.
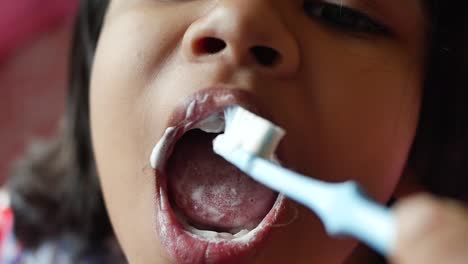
{"x":344,"y":18}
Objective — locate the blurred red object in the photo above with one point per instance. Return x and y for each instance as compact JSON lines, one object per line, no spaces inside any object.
{"x":23,"y":20}
{"x":34,"y":45}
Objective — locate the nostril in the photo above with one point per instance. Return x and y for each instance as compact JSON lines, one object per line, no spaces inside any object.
{"x":265,"y":56}
{"x":209,"y":45}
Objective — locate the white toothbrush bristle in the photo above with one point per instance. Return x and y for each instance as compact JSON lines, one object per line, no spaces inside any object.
{"x":249,"y":132}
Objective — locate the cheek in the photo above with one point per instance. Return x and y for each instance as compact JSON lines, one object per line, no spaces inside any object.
{"x":124,"y":133}
{"x":357,"y":118}
{"x":121,"y":151}
{"x":125,"y":105}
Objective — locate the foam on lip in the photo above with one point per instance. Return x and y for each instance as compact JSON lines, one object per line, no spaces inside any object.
{"x":158,"y":155}
{"x":212,"y":124}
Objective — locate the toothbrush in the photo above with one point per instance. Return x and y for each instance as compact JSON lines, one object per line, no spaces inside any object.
{"x":249,"y":142}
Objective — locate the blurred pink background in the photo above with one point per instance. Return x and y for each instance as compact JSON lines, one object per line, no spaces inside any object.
{"x":35,"y":38}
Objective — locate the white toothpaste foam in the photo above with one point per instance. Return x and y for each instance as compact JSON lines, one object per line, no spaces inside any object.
{"x":212,"y":124}
{"x":190,"y":109}
{"x":160,"y":149}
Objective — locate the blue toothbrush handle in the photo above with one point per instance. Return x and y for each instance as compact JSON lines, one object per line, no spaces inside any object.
{"x":356,"y":215}
{"x":342,"y":207}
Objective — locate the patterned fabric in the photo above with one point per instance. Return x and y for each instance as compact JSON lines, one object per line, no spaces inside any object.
{"x":10,"y":250}
{"x":59,"y":251}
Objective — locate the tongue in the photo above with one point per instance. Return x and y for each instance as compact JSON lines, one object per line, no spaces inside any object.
{"x":210,"y":193}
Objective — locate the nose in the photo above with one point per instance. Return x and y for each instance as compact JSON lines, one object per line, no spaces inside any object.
{"x":248,"y":33}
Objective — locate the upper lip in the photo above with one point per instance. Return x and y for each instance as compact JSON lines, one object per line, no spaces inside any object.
{"x":209,"y":101}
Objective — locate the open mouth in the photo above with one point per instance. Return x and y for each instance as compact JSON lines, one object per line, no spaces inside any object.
{"x":208,"y":211}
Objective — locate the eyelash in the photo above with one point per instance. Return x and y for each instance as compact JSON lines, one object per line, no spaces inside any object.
{"x":344,"y":18}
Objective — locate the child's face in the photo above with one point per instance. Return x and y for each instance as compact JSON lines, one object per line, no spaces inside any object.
{"x":346,"y":90}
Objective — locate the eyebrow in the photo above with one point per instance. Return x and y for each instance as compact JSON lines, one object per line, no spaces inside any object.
{"x":392,"y":4}
{"x":405,"y":15}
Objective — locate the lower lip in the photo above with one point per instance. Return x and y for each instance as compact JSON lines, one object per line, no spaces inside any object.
{"x":184,"y":246}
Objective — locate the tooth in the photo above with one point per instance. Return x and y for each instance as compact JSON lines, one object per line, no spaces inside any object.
{"x":212,"y":124}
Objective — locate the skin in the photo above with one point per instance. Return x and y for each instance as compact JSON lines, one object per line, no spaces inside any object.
{"x":349,"y":102}
{"x":431,"y":230}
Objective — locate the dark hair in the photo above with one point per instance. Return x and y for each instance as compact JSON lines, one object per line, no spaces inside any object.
{"x":55,"y":188}
{"x":440,"y":152}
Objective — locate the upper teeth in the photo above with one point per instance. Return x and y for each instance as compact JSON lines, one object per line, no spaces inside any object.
{"x":212,"y":124}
